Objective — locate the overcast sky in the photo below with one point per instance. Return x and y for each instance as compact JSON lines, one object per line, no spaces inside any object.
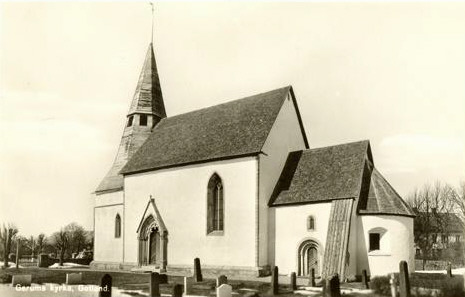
{"x":393,"y":73}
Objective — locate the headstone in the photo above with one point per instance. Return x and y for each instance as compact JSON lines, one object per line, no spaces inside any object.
{"x":251,"y":294}
{"x":222,"y":279}
{"x":197,"y":270}
{"x":177,"y":290}
{"x":275,"y":281}
{"x":105,"y":286}
{"x":224,"y":290}
{"x":74,"y":278}
{"x":332,"y":287}
{"x":293,"y":281}
{"x":311,"y":279}
{"x":187,"y":286}
{"x":43,"y":260}
{"x":12,"y":257}
{"x":449,"y":269}
{"x":163,"y":278}
{"x":365,"y":279}
{"x":393,"y":284}
{"x":21,"y":279}
{"x":404,"y":282}
{"x":154,"y":284}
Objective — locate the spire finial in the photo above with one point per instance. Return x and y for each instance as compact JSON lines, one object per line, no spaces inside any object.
{"x":153,"y":20}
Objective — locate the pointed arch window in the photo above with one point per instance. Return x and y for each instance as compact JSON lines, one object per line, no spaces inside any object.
{"x":215,"y":217}
{"x":117,"y":226}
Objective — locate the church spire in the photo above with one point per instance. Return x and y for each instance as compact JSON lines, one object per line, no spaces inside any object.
{"x":146,"y":110}
{"x":148,"y":98}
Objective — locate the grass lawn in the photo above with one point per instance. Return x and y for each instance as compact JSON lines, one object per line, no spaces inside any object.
{"x":140,"y":281}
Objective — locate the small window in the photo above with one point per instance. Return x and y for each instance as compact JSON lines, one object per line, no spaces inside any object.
{"x":117,"y":226}
{"x":374,"y":241}
{"x":434,"y":237}
{"x":143,"y":120}
{"x":457,"y":238}
{"x":444,"y":238}
{"x":131,"y":118}
{"x":310,"y":223}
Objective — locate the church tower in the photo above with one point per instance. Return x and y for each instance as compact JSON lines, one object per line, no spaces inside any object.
{"x":146,"y":110}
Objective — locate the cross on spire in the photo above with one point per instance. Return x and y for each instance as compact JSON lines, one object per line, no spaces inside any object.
{"x":153,"y":19}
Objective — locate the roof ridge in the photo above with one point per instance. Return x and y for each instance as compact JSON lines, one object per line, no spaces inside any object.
{"x":227,"y":102}
{"x":336,"y":145}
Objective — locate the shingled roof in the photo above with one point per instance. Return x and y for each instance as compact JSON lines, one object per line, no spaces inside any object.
{"x":321,"y":174}
{"x":233,"y":129}
{"x":383,"y":199}
{"x":337,"y":172}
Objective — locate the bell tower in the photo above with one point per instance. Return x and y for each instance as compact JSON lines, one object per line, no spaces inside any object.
{"x":146,"y":110}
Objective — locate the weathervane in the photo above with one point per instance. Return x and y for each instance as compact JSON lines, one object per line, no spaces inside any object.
{"x":153,"y":19}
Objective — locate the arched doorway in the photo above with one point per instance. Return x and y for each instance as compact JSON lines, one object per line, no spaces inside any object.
{"x":152,"y":244}
{"x":308,"y":258}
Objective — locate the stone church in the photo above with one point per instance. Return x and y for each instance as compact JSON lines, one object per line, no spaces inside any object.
{"x":238,"y":186}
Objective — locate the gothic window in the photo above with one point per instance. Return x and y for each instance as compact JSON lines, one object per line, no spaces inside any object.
{"x":215,"y":198}
{"x":143,"y":120}
{"x":117,"y":226}
{"x":310,"y":223}
{"x":130,"y":120}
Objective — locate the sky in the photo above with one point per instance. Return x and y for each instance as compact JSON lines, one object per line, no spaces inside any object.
{"x":390,"y":72}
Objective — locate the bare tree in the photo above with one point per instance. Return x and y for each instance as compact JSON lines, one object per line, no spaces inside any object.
{"x":60,"y":241}
{"x":458,"y":198}
{"x":9,"y":231}
{"x":430,"y":203}
{"x":77,"y":237}
{"x":41,"y":241}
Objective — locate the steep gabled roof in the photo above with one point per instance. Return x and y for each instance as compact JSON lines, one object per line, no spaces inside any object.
{"x":321,"y":174}
{"x":233,"y":129}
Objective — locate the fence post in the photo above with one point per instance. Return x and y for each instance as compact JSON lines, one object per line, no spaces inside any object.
{"x":404,"y":282}
{"x":154,"y":284}
{"x":293,"y":281}
{"x":393,"y":283}
{"x":365,"y":279}
{"x":197,"y":270}
{"x":449,"y":269}
{"x":17,"y":253}
{"x":275,"y":281}
{"x":105,"y":286}
{"x":311,"y":280}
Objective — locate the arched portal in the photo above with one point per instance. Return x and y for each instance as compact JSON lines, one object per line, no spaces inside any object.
{"x":308,"y":258}
{"x":152,"y":244}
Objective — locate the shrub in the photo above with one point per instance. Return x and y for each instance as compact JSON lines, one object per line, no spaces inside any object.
{"x":5,"y":278}
{"x":380,"y":285}
{"x":452,"y":287}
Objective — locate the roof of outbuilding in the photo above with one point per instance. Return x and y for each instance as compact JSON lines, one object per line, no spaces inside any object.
{"x":441,"y":222}
{"x":233,"y":129}
{"x":321,"y":174}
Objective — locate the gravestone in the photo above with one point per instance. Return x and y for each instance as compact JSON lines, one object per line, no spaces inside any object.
{"x":404,"y":282}
{"x":163,"y":278}
{"x":222,"y":279}
{"x":393,"y":283}
{"x":449,"y":269}
{"x":43,"y":260}
{"x":21,"y":279}
{"x":12,"y":258}
{"x":293,"y":281}
{"x":224,"y":290}
{"x":332,"y":287}
{"x":365,"y":279}
{"x":197,"y":270}
{"x":154,"y":285}
{"x":74,"y":278}
{"x":275,"y":281}
{"x":177,"y":290}
{"x":311,"y":278}
{"x":251,"y":294}
{"x":105,"y":286}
